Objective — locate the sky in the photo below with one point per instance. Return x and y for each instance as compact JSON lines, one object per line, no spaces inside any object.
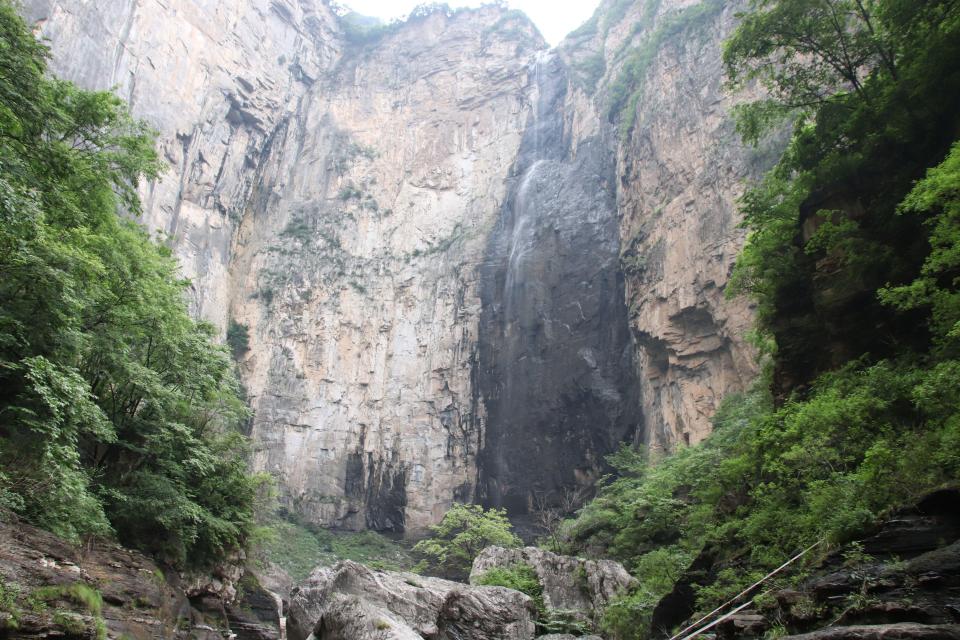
{"x":554,"y":18}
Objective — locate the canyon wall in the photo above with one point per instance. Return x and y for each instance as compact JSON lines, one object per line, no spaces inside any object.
{"x":463,"y":277}
{"x":214,"y":78}
{"x":654,"y":69}
{"x":555,"y":372}
{"x":356,"y":271}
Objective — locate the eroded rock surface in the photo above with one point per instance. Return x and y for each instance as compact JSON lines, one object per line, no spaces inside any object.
{"x":356,"y":271}
{"x":336,"y":198}
{"x":352,"y":602}
{"x":680,"y":169}
{"x":449,"y":260}
{"x":44,"y":580}
{"x":569,"y":583}
{"x":554,"y":376}
{"x":215,"y":79}
{"x":897,"y":631}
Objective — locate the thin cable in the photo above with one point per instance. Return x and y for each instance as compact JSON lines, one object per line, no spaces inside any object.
{"x":747,"y":590}
{"x":719,"y":620}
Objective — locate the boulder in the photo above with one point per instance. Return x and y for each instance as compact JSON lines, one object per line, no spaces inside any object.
{"x":350,"y":601}
{"x":569,"y":583}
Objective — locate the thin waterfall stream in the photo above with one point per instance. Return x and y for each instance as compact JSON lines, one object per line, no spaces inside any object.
{"x":553,"y":367}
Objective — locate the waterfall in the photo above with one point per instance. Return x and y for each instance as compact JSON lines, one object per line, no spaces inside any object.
{"x":553,"y":324}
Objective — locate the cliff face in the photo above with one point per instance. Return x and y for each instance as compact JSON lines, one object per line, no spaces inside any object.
{"x":215,"y":79}
{"x":680,"y":169}
{"x":460,"y":281}
{"x":554,"y":374}
{"x":356,"y":269}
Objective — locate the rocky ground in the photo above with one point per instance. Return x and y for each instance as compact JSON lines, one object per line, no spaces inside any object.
{"x":901,"y":581}
{"x":53,"y":589}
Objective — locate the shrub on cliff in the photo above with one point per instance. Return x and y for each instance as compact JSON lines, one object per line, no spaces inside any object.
{"x":519,"y":577}
{"x":117,"y":410}
{"x":464,"y":531}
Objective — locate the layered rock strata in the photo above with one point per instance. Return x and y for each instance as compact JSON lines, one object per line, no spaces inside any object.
{"x":356,"y":271}
{"x":215,"y":79}
{"x":55,"y":589}
{"x":657,"y":73}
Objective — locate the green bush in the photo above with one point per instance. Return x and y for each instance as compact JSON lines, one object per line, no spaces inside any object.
{"x":299,"y":229}
{"x":9,"y":608}
{"x":519,"y":577}
{"x":350,"y":192}
{"x":464,"y":531}
{"x":590,"y":70}
{"x":770,"y":482}
{"x":564,"y":621}
{"x":626,"y":90}
{"x":78,"y":593}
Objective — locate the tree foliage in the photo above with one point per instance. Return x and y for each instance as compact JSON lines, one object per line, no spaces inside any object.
{"x":464,"y":531}
{"x":937,"y":199}
{"x":875,"y":94}
{"x":772,"y":481}
{"x":116,"y":409}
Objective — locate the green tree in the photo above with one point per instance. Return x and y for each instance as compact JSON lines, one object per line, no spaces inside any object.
{"x":117,"y":410}
{"x":238,"y":339}
{"x":937,"y":198}
{"x":873,"y":93}
{"x":464,"y":531}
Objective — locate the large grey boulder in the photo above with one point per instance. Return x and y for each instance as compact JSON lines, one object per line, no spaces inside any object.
{"x":569,"y":583}
{"x":352,"y":602}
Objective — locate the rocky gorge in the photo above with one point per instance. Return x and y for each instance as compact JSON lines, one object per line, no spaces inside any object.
{"x":349,"y":313}
{"x":445,"y":255}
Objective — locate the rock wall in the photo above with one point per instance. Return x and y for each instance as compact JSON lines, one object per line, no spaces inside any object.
{"x":555,"y":374}
{"x":460,"y":281}
{"x":680,"y":169}
{"x":215,"y":78}
{"x":356,"y":270}
{"x":335,"y":196}
{"x":45,"y":580}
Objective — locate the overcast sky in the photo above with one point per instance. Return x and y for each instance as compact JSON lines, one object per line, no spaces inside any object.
{"x":554,"y":18}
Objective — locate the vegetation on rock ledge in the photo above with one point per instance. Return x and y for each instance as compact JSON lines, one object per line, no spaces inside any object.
{"x":464,"y":531}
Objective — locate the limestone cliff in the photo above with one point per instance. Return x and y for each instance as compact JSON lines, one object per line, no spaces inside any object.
{"x":654,"y":71}
{"x":555,"y":374}
{"x":465,"y":275}
{"x":356,"y":269}
{"x":215,"y":79}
